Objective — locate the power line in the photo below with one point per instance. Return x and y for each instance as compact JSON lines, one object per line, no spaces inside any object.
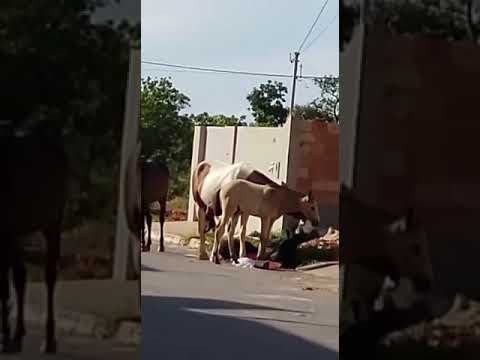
{"x":215,"y":70}
{"x":223,"y":71}
{"x":320,"y":33}
{"x":313,"y":25}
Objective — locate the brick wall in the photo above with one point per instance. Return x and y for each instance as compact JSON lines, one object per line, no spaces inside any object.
{"x":419,"y":92}
{"x":316,"y":153}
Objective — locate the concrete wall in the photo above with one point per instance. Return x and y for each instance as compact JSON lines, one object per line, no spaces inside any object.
{"x":417,"y":144}
{"x":266,"y":149}
{"x":303,"y":154}
{"x":350,"y":68}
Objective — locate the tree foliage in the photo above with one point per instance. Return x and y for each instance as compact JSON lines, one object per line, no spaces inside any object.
{"x":204,"y":119}
{"x":448,"y":19}
{"x":329,"y":100}
{"x":267,"y":104}
{"x":310,"y":112}
{"x":167,"y":134}
{"x":65,"y":77}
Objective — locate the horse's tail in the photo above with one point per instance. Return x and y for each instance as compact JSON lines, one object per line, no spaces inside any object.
{"x":199,"y":172}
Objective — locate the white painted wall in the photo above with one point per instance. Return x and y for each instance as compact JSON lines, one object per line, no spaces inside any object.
{"x":266,"y":150}
{"x":219,"y":144}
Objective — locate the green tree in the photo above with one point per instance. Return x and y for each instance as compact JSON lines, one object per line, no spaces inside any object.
{"x":66,"y":78}
{"x":329,"y":100}
{"x":310,"y":112}
{"x":267,"y":104}
{"x":204,"y":119}
{"x":166,"y":134}
{"x":449,"y":19}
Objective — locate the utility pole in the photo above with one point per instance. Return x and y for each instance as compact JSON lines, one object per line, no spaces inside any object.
{"x":294,"y":84}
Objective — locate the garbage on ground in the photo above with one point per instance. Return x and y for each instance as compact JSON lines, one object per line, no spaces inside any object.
{"x":328,"y":241}
{"x":304,"y":227}
{"x":455,"y":328}
{"x":246,"y":262}
{"x":224,"y":251}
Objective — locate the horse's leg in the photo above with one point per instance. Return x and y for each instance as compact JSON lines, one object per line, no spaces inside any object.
{"x":149,"y":231}
{"x":163,"y":210}
{"x":219,"y":231}
{"x":269,"y":233}
{"x":52,"y":235}
{"x":231,"y":232}
{"x":19,"y":279}
{"x":264,"y":236}
{"x":202,"y":253}
{"x":5,"y":298}
{"x":243,"y":233}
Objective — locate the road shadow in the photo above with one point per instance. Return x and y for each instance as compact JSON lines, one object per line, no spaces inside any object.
{"x":170,"y":330}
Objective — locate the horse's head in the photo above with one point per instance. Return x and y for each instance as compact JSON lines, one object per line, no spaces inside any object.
{"x":309,"y":209}
{"x":409,"y":252}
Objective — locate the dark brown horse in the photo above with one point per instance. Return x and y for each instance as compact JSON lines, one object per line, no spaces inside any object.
{"x":34,"y":188}
{"x":155,"y":177}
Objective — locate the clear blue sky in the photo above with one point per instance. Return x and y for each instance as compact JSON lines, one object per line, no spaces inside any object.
{"x":250,"y":35}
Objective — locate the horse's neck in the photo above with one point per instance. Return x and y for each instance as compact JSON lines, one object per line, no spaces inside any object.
{"x":289,"y":202}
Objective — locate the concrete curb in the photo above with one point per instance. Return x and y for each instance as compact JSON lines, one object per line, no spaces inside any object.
{"x":89,"y":325}
{"x":319,"y":265}
{"x":171,"y":239}
{"x":178,"y":240}
{"x":82,"y":308}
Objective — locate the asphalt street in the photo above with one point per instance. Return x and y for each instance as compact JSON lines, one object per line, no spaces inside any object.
{"x":194,"y":310}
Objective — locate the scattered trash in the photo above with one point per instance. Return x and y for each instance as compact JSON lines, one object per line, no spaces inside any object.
{"x":245,"y":263}
{"x":251,"y":263}
{"x":268,"y":265}
{"x":304,"y":227}
{"x":328,"y":241}
{"x":457,"y":326}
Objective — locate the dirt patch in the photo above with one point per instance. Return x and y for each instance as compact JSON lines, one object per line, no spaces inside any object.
{"x":86,"y":253}
{"x":176,"y":215}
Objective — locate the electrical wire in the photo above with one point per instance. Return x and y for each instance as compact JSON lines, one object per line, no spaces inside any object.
{"x":320,"y":34}
{"x":223,"y":71}
{"x":313,"y":26}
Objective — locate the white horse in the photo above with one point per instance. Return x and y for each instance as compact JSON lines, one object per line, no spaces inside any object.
{"x":207,"y":179}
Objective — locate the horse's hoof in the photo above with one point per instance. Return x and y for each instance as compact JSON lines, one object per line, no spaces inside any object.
{"x":49,"y":347}
{"x":146,"y":249}
{"x":214,"y":259}
{"x":161,"y":249}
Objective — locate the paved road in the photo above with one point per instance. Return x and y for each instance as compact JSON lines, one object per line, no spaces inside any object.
{"x":73,"y":348}
{"x":194,"y":310}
